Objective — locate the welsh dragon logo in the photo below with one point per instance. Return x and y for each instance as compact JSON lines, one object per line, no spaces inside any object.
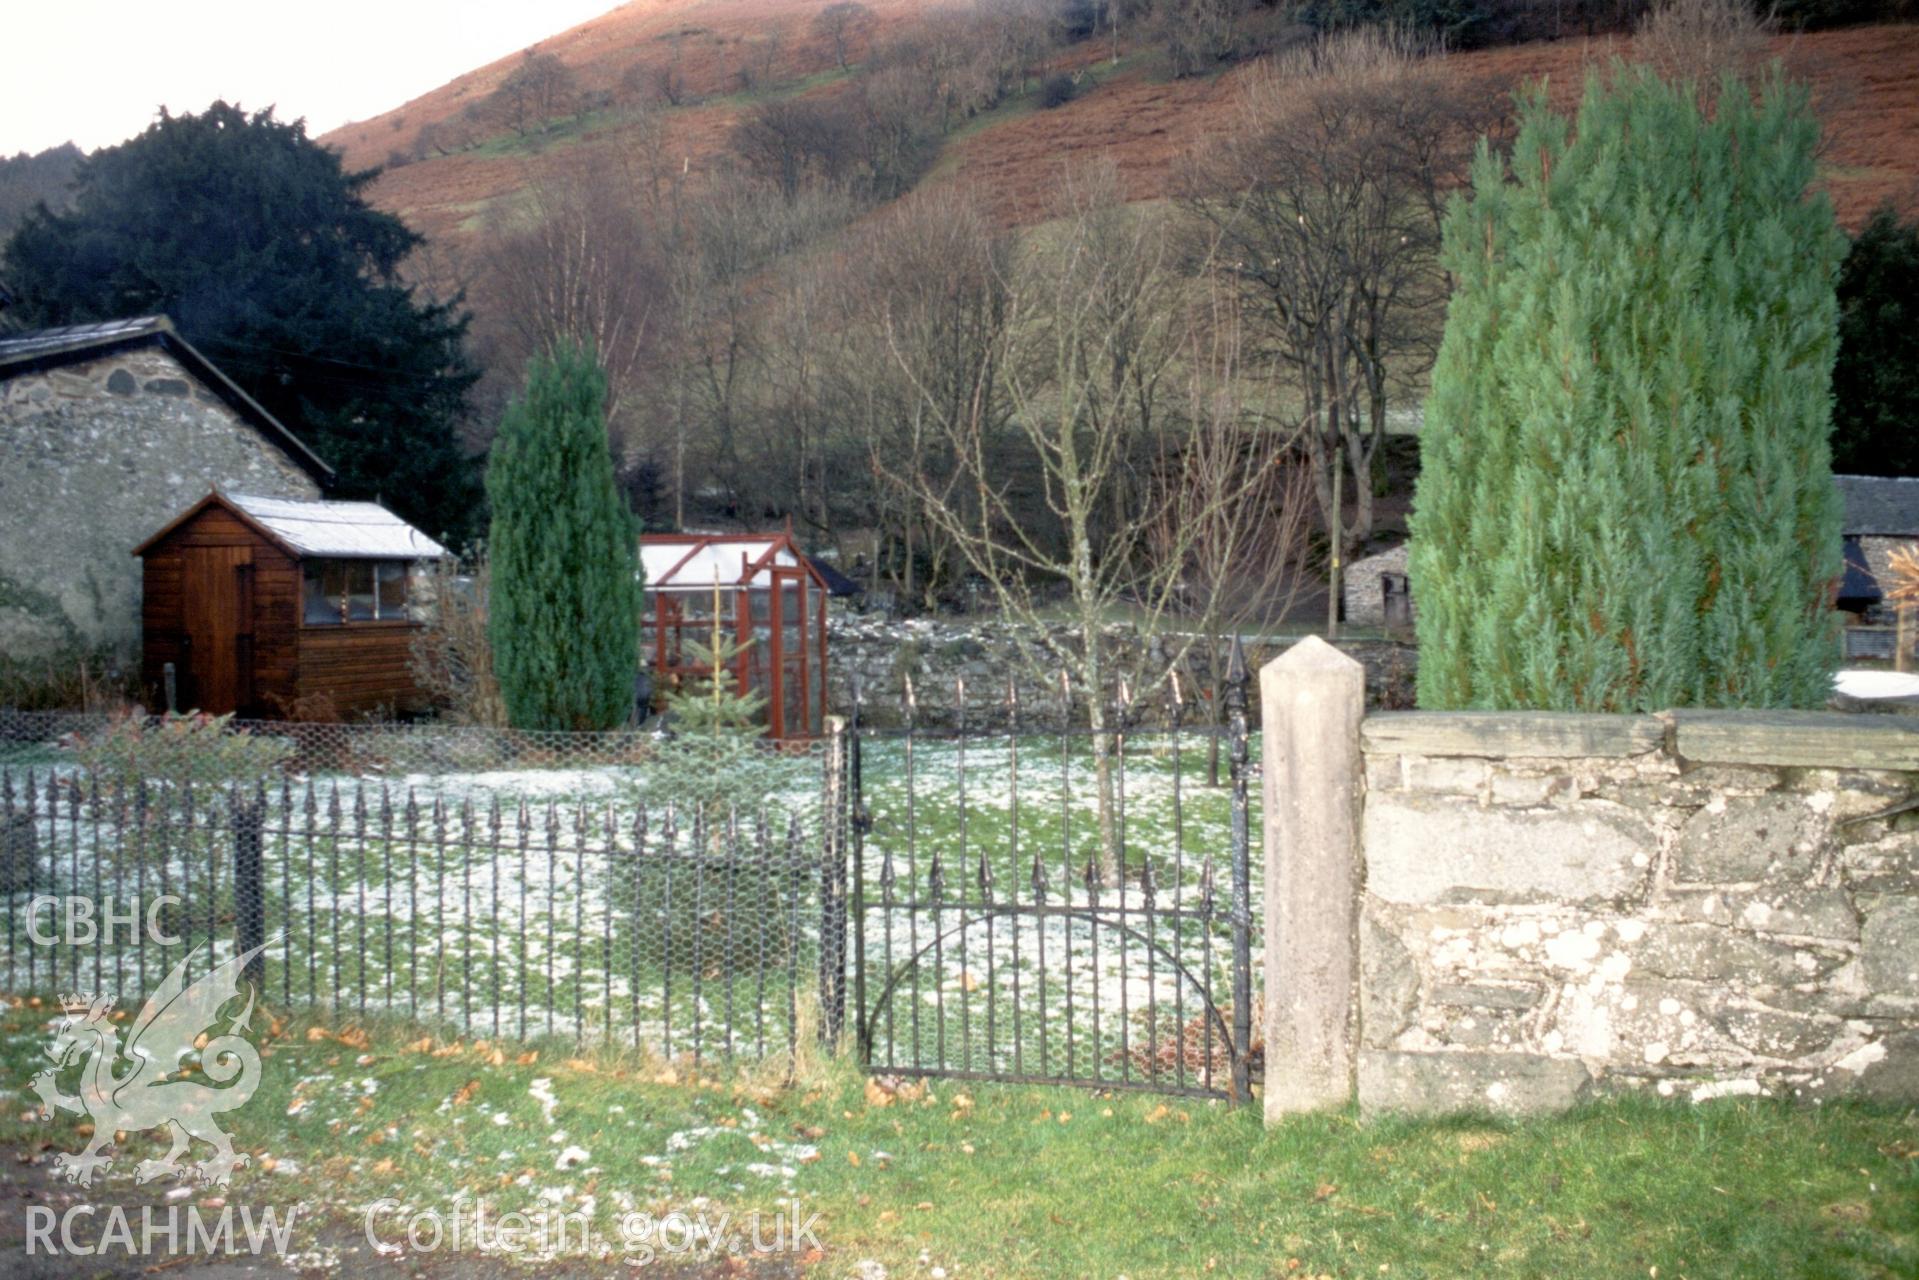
{"x":130,"y":1091}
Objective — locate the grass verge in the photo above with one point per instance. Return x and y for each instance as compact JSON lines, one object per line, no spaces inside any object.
{"x":1015,"y":1181}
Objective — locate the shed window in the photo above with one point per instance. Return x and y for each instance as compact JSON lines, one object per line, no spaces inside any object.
{"x":340,"y":591}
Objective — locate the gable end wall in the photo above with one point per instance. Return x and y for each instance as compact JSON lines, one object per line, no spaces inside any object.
{"x":96,"y":456}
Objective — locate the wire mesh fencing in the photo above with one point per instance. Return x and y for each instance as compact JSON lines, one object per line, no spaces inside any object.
{"x":198,"y":747}
{"x":672,"y":895}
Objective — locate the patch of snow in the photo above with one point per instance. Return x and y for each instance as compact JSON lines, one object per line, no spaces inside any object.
{"x":1877,"y":684}
{"x":1726,"y":1089}
{"x":542,"y":1093}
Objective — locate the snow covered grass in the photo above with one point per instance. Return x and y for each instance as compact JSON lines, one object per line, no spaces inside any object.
{"x":1035,"y":957}
{"x":1027,"y":1181}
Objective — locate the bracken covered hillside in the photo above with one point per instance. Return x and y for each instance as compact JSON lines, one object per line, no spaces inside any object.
{"x":1866,"y":81}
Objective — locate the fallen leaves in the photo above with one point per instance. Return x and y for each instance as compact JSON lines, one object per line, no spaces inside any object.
{"x":465,"y":1093}
{"x":351,"y":1037}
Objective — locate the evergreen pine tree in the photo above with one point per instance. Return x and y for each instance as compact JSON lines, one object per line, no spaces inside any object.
{"x":1626,"y":497}
{"x":716,"y":704}
{"x":565,"y":608}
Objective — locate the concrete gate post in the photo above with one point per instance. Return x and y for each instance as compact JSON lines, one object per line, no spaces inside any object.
{"x":1312,"y":698}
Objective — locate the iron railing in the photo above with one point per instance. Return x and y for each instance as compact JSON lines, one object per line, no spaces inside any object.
{"x":675,"y":904}
{"x":1040,"y":901}
{"x":1054,"y":904}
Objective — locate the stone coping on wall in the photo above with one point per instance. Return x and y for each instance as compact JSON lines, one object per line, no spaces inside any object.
{"x":1511,"y":733}
{"x":1780,"y":739}
{"x":1698,"y":903}
{"x":1514,"y":911}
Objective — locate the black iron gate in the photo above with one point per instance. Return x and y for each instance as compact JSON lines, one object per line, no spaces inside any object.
{"x":1054,"y":905}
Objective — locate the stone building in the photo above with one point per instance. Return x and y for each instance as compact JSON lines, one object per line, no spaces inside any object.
{"x":1363,"y":586}
{"x":1881,"y":514}
{"x":107,"y":431}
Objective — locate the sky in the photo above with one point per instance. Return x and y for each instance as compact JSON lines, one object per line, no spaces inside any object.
{"x":96,"y":71}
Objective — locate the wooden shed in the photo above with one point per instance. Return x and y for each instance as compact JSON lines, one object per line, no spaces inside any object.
{"x":268,"y":606}
{"x":764,"y":593}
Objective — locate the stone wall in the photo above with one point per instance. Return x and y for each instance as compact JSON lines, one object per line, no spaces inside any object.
{"x":1700,"y":904}
{"x":94,"y":457}
{"x":879,"y":654}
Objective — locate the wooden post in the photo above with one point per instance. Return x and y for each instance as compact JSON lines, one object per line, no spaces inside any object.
{"x":1312,"y":698}
{"x":1339,"y":547}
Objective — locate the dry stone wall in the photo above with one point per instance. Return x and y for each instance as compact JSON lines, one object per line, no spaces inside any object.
{"x":1697,"y":904}
{"x":878,"y":655}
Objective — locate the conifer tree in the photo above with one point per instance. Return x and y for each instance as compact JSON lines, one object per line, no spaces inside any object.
{"x":716,"y":704}
{"x":565,"y":604}
{"x":1626,"y":497}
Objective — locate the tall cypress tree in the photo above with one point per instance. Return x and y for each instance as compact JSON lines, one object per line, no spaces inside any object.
{"x":565,"y":604}
{"x":1626,"y":497}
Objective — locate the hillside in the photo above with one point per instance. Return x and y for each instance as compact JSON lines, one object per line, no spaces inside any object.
{"x":1866,"y":82}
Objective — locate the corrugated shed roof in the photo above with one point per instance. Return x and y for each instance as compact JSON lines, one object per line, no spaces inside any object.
{"x":359,"y":530}
{"x":1880,"y":506}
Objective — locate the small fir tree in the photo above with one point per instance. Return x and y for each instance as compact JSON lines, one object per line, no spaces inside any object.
{"x":1626,"y":497}
{"x":714,"y":705}
{"x":716,"y":759}
{"x":565,"y":608}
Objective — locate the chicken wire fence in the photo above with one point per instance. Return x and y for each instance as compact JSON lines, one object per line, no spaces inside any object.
{"x":682,"y":896}
{"x":1035,"y":902}
{"x":204,"y":748}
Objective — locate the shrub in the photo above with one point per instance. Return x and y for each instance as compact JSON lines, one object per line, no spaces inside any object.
{"x":1056,"y":90}
{"x":452,"y":655}
{"x":1626,"y":498}
{"x":191,"y":749}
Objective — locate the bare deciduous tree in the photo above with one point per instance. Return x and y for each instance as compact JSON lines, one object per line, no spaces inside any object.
{"x":843,"y":26}
{"x":1233,"y":507}
{"x":1702,"y":40}
{"x":941,"y":271}
{"x":797,"y":140}
{"x":578,"y":263}
{"x":1323,"y":205}
{"x":538,"y":90}
{"x":1093,"y":330}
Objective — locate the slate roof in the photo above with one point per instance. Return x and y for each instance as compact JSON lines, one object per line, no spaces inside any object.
{"x":837,"y":583}
{"x":355,"y":530}
{"x":1880,"y":506}
{"x":39,"y":349}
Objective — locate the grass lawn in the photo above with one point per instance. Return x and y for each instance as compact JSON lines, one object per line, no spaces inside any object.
{"x":1013,"y":1181}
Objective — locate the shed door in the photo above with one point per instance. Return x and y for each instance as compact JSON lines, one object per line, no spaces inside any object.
{"x":218,"y":626}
